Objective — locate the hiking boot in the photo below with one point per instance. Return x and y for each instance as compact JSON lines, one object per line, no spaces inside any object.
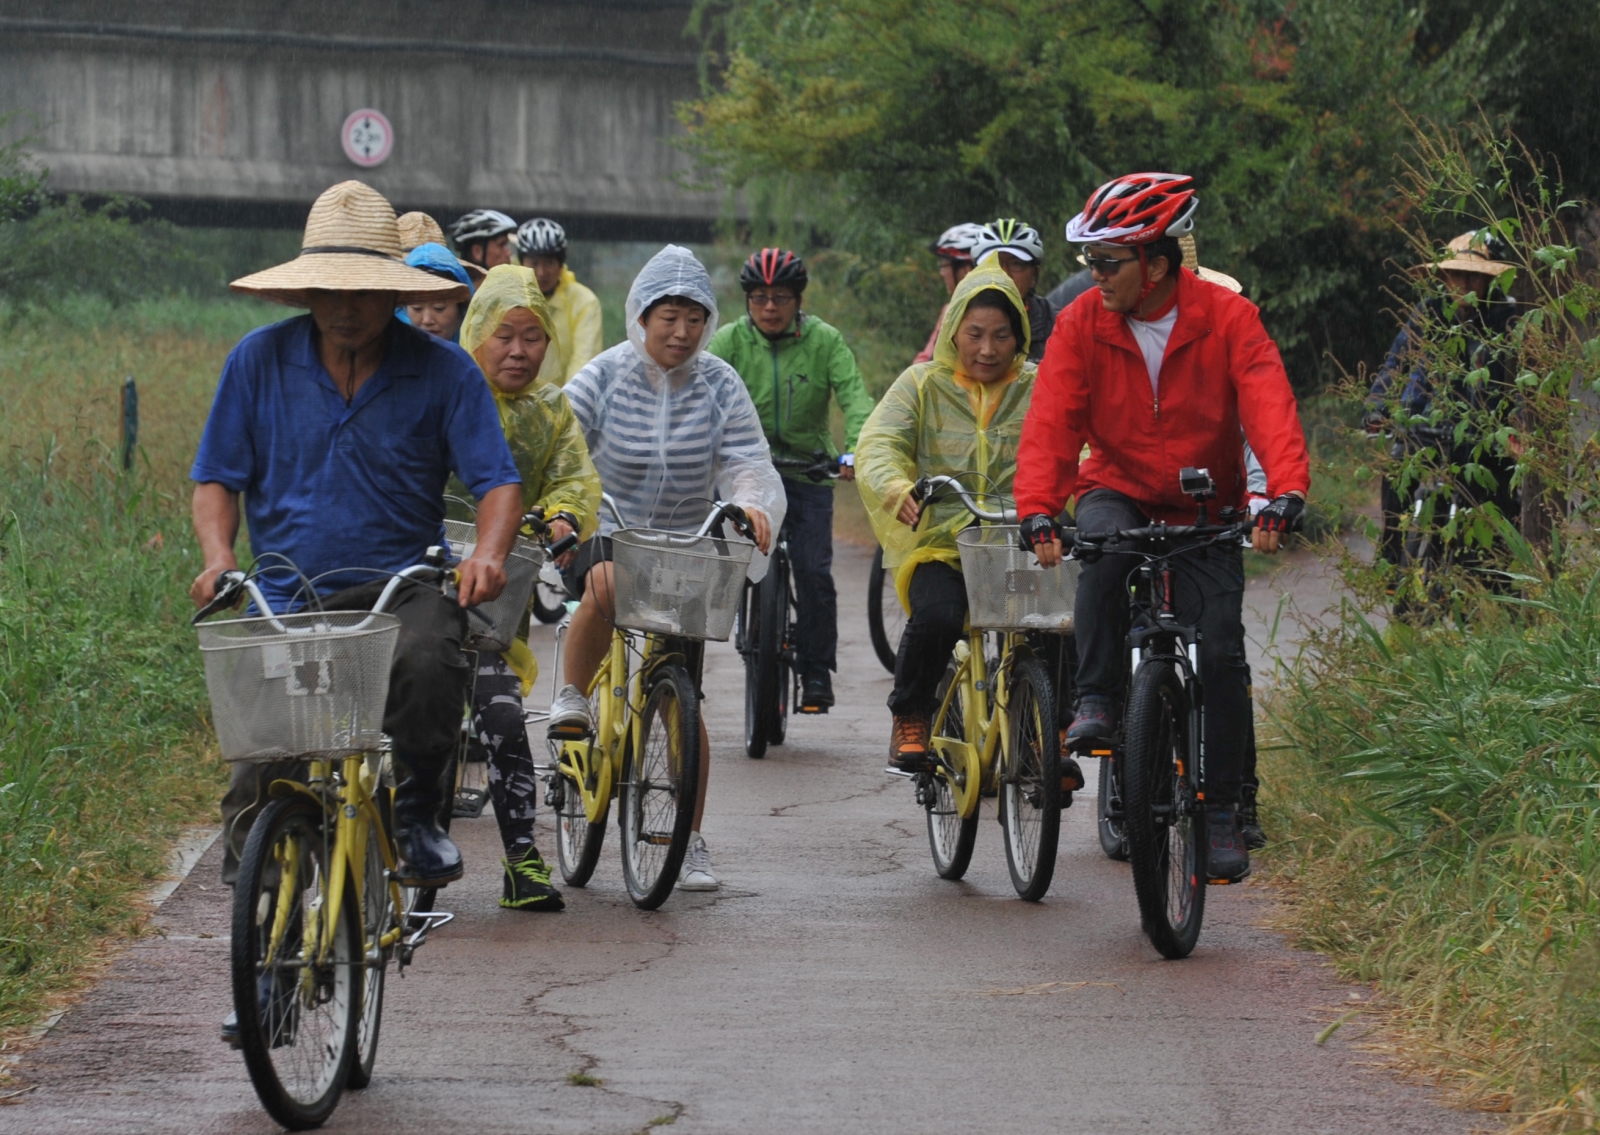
{"x":908,"y":744}
{"x":1096,"y":720}
{"x":696,"y":872}
{"x":570,"y":719}
{"x":816,"y":694}
{"x":1227,"y":857}
{"x":1249,"y":822}
{"x":527,"y":885}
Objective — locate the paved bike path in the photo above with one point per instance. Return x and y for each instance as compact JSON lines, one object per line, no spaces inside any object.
{"x":834,"y":985}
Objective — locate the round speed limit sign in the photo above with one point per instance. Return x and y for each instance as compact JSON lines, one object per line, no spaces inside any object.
{"x":367,"y":138}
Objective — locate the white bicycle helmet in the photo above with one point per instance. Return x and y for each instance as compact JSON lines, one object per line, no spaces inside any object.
{"x":1009,"y":235}
{"x":956,"y":242}
{"x":541,"y":237}
{"x":481,"y":224}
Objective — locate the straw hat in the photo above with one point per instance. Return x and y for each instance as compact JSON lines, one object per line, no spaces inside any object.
{"x":1470,"y":253}
{"x":1191,"y":261}
{"x":351,"y":244}
{"x":419,"y":228}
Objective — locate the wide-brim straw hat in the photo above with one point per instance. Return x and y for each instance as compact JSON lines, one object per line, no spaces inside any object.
{"x":351,"y":244}
{"x":418,"y":229}
{"x":1469,"y":253}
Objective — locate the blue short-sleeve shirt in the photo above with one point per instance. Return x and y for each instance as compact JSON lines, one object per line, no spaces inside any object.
{"x":332,"y":486}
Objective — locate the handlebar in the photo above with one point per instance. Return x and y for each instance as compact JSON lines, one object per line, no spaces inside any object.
{"x":928,"y":486}
{"x":820,"y":468}
{"x":724,"y":510}
{"x":1218,"y":533}
{"x":231,"y":584}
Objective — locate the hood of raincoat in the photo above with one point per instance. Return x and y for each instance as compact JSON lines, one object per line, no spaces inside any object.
{"x":674,"y":271}
{"x":439,"y":260}
{"x":505,"y":288}
{"x":934,"y":420}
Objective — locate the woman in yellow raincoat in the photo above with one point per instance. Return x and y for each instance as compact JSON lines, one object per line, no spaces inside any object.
{"x":507,"y":330}
{"x":959,"y":415}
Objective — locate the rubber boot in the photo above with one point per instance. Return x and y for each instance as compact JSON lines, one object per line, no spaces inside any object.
{"x":428,"y":858}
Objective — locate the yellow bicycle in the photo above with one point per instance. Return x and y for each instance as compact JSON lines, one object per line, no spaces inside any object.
{"x":996,"y":729}
{"x":669,"y":589}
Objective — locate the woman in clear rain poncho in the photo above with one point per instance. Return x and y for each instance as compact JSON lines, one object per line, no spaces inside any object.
{"x":670,"y":428}
{"x":507,"y":330}
{"x":959,"y":415}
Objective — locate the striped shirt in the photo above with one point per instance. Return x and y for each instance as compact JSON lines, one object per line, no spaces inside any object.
{"x":664,"y":449}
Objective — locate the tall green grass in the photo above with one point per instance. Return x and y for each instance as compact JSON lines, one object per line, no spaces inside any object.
{"x":1438,"y":802}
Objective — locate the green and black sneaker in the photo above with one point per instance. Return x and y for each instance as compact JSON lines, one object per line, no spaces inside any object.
{"x":528,"y":885}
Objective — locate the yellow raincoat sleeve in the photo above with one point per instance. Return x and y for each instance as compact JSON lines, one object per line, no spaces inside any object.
{"x":586,"y":335}
{"x":886,"y":462}
{"x":548,"y":447}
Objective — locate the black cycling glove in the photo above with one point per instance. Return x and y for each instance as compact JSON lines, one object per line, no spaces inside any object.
{"x":1037,"y":530}
{"x":1282,"y":515}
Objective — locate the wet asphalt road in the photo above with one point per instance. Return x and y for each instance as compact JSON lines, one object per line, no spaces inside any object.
{"x":835,"y":984}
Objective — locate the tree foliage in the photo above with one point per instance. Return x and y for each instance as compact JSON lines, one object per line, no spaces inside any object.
{"x":900,"y":118}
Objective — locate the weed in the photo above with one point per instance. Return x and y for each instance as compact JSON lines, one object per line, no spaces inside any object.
{"x":584,"y":1080}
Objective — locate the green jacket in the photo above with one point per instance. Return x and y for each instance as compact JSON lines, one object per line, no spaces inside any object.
{"x":791,"y":380}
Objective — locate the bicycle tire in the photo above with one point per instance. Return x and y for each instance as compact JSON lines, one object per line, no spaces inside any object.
{"x":763,"y":668}
{"x":886,"y":620}
{"x":660,"y":782}
{"x":787,"y":676}
{"x":275,"y":1011}
{"x":377,"y":916}
{"x":1030,"y":788}
{"x":549,"y":605}
{"x":578,"y":842}
{"x":1113,"y":836}
{"x":950,"y":837}
{"x":1168,"y":859}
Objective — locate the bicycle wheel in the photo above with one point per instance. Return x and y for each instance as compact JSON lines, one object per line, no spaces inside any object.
{"x":787,"y":677}
{"x":886,"y":619}
{"x":298,"y":1013}
{"x":1030,"y":785}
{"x":549,"y":603}
{"x":763,"y":669}
{"x":1109,"y":811}
{"x":578,"y":842}
{"x":378,"y":915}
{"x":659,"y":783}
{"x":1166,"y":827}
{"x":950,"y":837}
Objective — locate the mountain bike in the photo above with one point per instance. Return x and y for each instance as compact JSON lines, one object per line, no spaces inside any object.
{"x":886,"y":619}
{"x":1152,"y":772}
{"x":669,"y":589}
{"x":996,"y":728}
{"x":764,"y":633}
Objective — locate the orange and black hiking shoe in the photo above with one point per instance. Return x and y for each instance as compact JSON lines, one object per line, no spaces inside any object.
{"x":908,"y":744}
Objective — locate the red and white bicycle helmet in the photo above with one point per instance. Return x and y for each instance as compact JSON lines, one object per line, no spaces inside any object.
{"x":1136,"y":209}
{"x":957,"y":241}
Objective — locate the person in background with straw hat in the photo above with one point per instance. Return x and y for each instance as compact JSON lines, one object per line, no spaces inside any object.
{"x":508,"y":331}
{"x":340,"y":429}
{"x":418,"y":229}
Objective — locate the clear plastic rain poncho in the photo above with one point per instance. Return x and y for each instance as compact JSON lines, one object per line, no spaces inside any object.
{"x":666,"y":442}
{"x":546,"y":441}
{"x":935,"y":421}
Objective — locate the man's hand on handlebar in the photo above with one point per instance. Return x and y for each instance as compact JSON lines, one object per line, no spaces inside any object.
{"x":1041,"y":536}
{"x":204,"y":588}
{"x":481,"y":580}
{"x":1275,"y":521}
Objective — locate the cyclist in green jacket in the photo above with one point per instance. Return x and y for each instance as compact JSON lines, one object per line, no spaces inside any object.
{"x":793,"y":363}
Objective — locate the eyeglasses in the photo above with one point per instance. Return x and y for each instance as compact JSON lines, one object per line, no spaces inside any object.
{"x":771,"y":299}
{"x":1107,"y":265}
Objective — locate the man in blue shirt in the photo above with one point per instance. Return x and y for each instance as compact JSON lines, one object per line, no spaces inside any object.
{"x":340,"y":429}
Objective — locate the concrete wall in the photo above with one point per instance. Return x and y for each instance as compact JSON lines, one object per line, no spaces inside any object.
{"x":235,"y":109}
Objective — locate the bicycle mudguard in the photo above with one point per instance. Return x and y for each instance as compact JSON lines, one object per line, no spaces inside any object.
{"x":283,"y":789}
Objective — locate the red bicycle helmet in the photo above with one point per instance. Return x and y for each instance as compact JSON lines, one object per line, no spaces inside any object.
{"x":773,"y":266}
{"x":1136,"y":209}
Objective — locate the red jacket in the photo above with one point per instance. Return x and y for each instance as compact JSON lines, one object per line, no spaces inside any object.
{"x":1220,"y":371}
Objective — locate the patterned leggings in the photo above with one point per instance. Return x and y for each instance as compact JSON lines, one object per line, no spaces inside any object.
{"x":513,"y":785}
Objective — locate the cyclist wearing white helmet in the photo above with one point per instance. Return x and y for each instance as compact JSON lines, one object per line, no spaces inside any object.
{"x":483,"y":237}
{"x":1020,"y":251}
{"x":954,"y":250}
{"x":575,"y":310}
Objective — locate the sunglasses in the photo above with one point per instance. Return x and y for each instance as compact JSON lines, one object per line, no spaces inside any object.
{"x":1107,"y":265}
{"x":771,"y":299}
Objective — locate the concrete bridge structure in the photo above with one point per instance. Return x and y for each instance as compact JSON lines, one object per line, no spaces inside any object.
{"x":234,"y":113}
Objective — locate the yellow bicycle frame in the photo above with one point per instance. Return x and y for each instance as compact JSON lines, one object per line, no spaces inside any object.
{"x":969,"y":767}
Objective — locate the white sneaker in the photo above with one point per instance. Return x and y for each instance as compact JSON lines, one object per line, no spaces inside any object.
{"x":696,"y":874}
{"x":569,"y":713}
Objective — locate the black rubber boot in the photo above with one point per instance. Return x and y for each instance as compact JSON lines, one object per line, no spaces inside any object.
{"x":816,"y":692}
{"x":428,"y":858}
{"x":1227,"y":857}
{"x":1249,"y":821}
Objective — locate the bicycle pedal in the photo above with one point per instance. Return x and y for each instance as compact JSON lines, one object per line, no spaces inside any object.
{"x":1210,"y":882}
{"x":892,"y":771}
{"x":809,"y":709}
{"x":567,"y":733}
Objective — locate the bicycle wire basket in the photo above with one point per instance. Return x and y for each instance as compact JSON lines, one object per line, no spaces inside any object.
{"x":299,"y":686}
{"x":677,"y":583}
{"x":493,"y":626}
{"x":1007,"y":590}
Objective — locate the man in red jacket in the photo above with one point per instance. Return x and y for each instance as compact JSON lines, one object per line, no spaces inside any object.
{"x":1155,"y":370}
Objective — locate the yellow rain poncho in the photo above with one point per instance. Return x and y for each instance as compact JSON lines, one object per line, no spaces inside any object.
{"x":545,"y":438}
{"x":575,"y":314}
{"x":935,"y":421}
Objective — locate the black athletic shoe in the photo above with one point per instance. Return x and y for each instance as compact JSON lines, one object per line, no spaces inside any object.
{"x":527,"y":885}
{"x":1250,"y":823}
{"x":1096,"y":720}
{"x":1227,"y":857}
{"x":816,"y":693}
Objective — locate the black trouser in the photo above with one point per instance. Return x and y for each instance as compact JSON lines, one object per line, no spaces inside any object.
{"x":1209,"y":593}
{"x":513,"y":781}
{"x":1391,"y":544}
{"x":809,"y":523}
{"x":938,"y":618}
{"x":427,"y":689}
